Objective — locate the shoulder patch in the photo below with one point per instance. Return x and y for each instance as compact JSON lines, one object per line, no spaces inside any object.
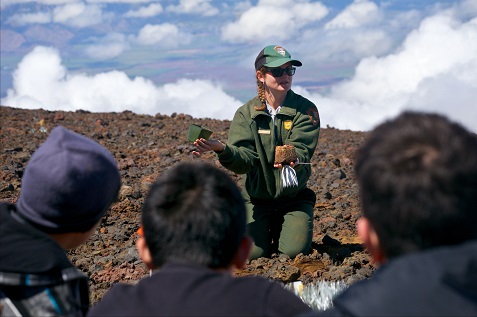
{"x":312,"y":113}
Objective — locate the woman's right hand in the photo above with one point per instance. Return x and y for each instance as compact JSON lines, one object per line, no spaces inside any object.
{"x":204,"y":145}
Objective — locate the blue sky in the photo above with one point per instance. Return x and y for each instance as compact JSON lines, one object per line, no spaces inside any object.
{"x":363,"y":61}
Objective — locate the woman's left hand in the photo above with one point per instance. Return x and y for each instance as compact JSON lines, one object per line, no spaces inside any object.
{"x":204,"y":145}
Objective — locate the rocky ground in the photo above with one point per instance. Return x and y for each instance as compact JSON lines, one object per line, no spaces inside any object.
{"x":144,"y":147}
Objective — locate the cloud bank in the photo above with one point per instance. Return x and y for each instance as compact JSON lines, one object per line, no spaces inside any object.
{"x":431,"y":67}
{"x":435,"y":70}
{"x":41,"y":81}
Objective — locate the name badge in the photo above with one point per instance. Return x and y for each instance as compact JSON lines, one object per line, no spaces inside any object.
{"x":263,"y":131}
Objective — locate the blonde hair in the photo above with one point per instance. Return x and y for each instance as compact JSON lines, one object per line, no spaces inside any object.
{"x":261,"y":92}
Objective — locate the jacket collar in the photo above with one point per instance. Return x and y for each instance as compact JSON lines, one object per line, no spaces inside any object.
{"x":288,"y":107}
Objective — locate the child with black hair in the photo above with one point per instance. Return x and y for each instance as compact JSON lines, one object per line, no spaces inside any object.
{"x":194,"y":225}
{"x":418,"y":184}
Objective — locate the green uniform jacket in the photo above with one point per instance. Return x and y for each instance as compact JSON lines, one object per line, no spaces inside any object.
{"x":252,"y":139}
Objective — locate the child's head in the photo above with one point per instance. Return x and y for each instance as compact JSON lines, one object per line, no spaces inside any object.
{"x":418,"y":182}
{"x":194,"y":213}
{"x":68,"y":184}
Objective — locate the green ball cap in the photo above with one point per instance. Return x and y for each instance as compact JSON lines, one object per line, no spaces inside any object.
{"x":274,"y":56}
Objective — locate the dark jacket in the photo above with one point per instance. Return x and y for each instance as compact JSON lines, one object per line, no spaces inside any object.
{"x":36,"y":277}
{"x":189,"y":290}
{"x":437,"y":282}
{"x":252,"y":139}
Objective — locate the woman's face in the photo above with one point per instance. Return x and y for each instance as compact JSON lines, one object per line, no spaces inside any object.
{"x":281,"y":83}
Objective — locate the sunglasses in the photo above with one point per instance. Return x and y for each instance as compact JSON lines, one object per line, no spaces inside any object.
{"x":278,"y":72}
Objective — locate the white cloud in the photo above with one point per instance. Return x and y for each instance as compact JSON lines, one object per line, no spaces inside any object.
{"x":6,"y":3}
{"x":110,"y":46}
{"x":434,"y":70}
{"x":393,"y":60}
{"x":279,"y":20}
{"x":347,"y":46}
{"x":120,"y":1}
{"x":78,"y":14}
{"x":168,"y":35}
{"x":360,"y":30}
{"x":469,"y":6}
{"x":68,"y":12}
{"x":29,"y":18}
{"x":239,"y":7}
{"x":252,"y":24}
{"x":465,"y":9}
{"x":202,"y":7}
{"x":145,"y":12}
{"x":41,"y":81}
{"x":359,"y":13}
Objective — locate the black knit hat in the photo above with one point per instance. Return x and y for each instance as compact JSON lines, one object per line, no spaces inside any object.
{"x":68,"y":184}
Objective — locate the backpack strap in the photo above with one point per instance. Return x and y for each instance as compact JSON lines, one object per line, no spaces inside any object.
{"x":66,"y":293}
